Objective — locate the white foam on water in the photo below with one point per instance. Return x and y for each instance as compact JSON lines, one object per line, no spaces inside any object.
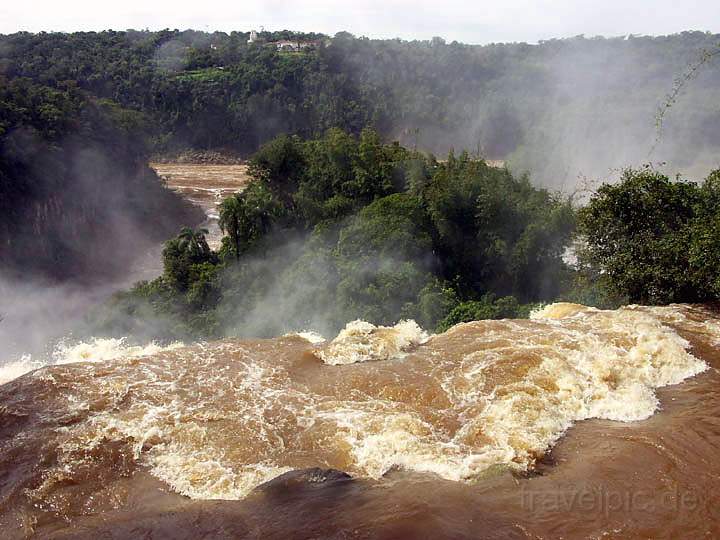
{"x":204,"y":477}
{"x":361,"y":341}
{"x":309,"y":336}
{"x":102,"y":349}
{"x":13,"y":370}
{"x":559,"y":310}
{"x":216,"y":421}
{"x":603,"y":364}
{"x":94,"y":350}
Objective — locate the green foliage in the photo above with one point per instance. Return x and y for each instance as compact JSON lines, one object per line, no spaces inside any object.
{"x":434,"y":302}
{"x":185,"y":257}
{"x":488,"y":307}
{"x":384,"y":255}
{"x":383,"y":293}
{"x":73,"y":180}
{"x":330,"y":230}
{"x":178,"y":305}
{"x":497,"y":232}
{"x":653,"y":239}
{"x":278,"y":165}
{"x":394,"y":227}
{"x":331,"y":177}
{"x":205,"y":75}
{"x":246,"y":217}
{"x":529,"y":104}
{"x":704,"y":248}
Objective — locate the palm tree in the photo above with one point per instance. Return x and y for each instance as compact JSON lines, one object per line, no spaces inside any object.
{"x":232,"y":212}
{"x":193,"y":242}
{"x":248,"y":216}
{"x":185,"y":237}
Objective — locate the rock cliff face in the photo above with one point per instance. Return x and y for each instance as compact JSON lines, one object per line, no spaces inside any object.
{"x":81,"y":206}
{"x":89,"y":224}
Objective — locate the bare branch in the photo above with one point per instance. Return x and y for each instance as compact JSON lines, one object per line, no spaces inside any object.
{"x":692,"y":71}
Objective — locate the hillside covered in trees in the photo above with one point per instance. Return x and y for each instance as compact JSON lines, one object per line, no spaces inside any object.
{"x":343,"y":227}
{"x":338,"y":223}
{"x":558,"y":109}
{"x":339,"y":228}
{"x":77,"y":199}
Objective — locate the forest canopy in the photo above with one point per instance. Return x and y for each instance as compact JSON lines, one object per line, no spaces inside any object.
{"x":338,"y":223}
{"x":342,"y":227}
{"x":560,"y":109}
{"x":653,"y":240}
{"x":77,"y":198}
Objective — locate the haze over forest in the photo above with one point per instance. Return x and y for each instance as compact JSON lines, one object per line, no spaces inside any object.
{"x":570,"y":113}
{"x":558,"y":110}
{"x":516,"y":246}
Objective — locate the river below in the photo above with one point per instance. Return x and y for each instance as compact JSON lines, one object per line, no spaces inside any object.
{"x":577,"y":423}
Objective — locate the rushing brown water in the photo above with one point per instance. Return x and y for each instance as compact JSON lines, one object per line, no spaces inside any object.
{"x":576,"y":424}
{"x":203,"y":185}
{"x":206,"y":186}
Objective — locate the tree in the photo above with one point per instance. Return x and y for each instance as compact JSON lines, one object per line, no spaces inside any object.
{"x":180,"y":254}
{"x":353,"y":238}
{"x":496,"y":232}
{"x":231,"y":216}
{"x":194,"y":243}
{"x":278,"y":164}
{"x":248,"y":216}
{"x":488,"y":307}
{"x":640,"y":234}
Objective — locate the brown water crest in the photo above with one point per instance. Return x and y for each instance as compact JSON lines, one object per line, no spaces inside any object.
{"x":576,"y":424}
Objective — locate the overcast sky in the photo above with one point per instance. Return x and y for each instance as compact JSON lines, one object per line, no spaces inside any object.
{"x":469,"y":21}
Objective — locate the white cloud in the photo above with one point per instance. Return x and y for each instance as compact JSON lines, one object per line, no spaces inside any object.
{"x":462,"y":20}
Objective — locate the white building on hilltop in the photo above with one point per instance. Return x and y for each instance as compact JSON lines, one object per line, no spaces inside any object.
{"x":295,"y":46}
{"x":253,"y":37}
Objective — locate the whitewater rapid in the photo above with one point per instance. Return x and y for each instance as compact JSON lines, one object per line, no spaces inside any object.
{"x":93,"y":350}
{"x":214,"y":421}
{"x":491,"y":429}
